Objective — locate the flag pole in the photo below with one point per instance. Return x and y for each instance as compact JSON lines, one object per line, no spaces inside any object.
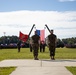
{"x":31,"y":30}
{"x":47,"y":27}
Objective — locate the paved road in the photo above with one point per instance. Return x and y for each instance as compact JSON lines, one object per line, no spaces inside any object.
{"x":39,"y":67}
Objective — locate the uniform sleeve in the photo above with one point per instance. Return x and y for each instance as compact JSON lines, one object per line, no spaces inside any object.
{"x":39,"y":40}
{"x":47,"y":41}
{"x":56,"y":40}
{"x":31,"y":41}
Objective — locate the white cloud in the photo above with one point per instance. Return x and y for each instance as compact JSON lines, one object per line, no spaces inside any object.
{"x":66,"y":0}
{"x":61,"y":22}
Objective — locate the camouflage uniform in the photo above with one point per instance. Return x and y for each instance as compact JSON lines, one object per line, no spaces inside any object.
{"x":42,"y":46}
{"x":52,"y":44}
{"x":19,"y":45}
{"x":30,"y":45}
{"x":35,"y":45}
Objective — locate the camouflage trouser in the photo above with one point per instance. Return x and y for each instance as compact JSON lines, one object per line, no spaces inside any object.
{"x":30,"y":48}
{"x":52,"y":50}
{"x":35,"y":49}
{"x":18,"y":49}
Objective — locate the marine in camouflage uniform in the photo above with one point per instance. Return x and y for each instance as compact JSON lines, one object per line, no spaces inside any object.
{"x":52,"y":44}
{"x":42,"y":46}
{"x":35,"y":45}
{"x":30,"y":44}
{"x":19,"y":45}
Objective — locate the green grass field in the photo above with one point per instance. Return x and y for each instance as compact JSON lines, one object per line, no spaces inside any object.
{"x":61,"y":53}
{"x":72,"y":70}
{"x":6,"y":70}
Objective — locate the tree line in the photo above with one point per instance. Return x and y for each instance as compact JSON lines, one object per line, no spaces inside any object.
{"x":68,"y":42}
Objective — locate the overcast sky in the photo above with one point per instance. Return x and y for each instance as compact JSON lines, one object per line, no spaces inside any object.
{"x":20,"y":15}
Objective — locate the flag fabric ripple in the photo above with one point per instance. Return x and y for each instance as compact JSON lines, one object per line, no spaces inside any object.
{"x":41,"y":33}
{"x":23,"y":37}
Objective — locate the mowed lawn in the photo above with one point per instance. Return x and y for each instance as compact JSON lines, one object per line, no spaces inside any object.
{"x":72,"y":70}
{"x":61,"y":53}
{"x":6,"y":70}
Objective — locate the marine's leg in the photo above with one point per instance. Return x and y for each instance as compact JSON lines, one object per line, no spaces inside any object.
{"x":35,"y":52}
{"x":30,"y":48}
{"x":40,"y":48}
{"x":53,"y":53}
{"x":18,"y":49}
{"x":43,"y":48}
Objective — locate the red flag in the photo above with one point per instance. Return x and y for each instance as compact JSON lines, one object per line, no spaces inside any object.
{"x":23,"y":37}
